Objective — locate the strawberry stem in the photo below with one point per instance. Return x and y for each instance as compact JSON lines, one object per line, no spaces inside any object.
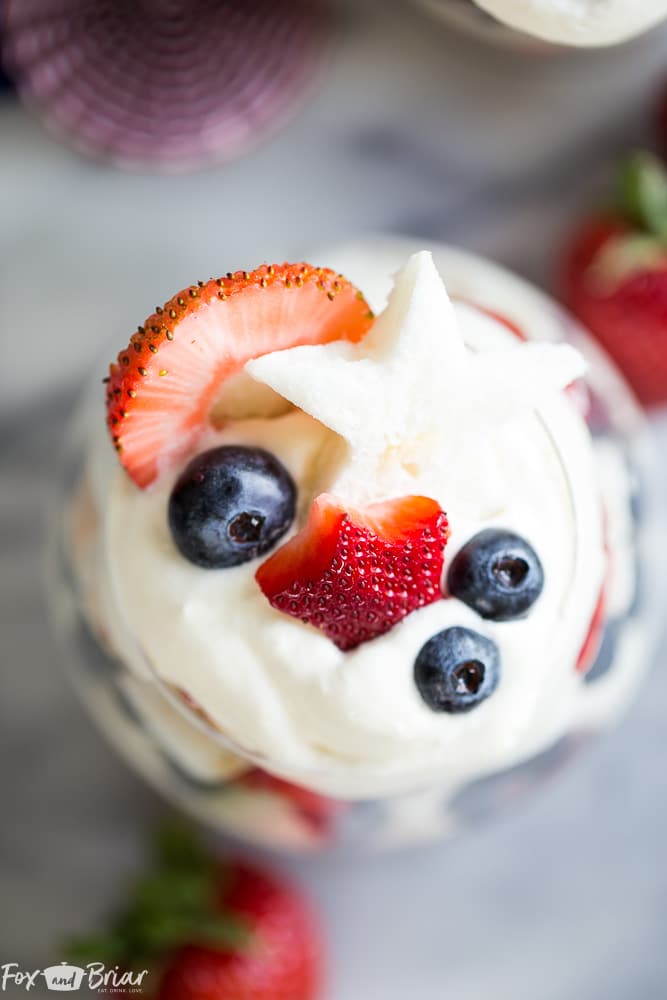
{"x":178,"y":903}
{"x":643,"y":193}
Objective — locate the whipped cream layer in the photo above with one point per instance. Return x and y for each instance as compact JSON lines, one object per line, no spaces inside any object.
{"x":438,"y":399}
{"x":578,"y":22}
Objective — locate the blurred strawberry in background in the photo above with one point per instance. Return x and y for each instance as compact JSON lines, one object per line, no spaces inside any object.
{"x":661,"y":120}
{"x":614,"y":276}
{"x":208,"y":929}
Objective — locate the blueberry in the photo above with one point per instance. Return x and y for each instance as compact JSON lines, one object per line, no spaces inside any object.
{"x":497,"y":574}
{"x":456,"y":670}
{"x":230,"y":505}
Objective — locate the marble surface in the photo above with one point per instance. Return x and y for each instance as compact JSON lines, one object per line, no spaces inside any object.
{"x":416,"y":132}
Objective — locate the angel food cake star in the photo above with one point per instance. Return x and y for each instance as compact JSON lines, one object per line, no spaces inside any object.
{"x":368,"y":550}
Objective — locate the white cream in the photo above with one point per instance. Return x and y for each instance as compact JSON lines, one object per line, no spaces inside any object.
{"x":578,"y":22}
{"x":353,"y":724}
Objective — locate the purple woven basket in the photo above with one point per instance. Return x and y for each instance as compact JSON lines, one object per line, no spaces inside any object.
{"x":169,"y":82}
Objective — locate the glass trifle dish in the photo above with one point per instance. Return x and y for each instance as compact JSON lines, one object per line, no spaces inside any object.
{"x":354,"y":559}
{"x":537,"y":25}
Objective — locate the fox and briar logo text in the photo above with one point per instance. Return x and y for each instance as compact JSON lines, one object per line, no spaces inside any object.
{"x":66,"y":978}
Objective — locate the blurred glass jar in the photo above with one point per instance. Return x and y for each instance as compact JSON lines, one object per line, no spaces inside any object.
{"x":166,"y":84}
{"x":465,"y":16}
{"x":535,"y":26}
{"x":175,"y":746}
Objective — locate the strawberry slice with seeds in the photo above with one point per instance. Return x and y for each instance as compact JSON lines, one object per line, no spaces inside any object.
{"x":355,"y":573}
{"x":162,"y":389}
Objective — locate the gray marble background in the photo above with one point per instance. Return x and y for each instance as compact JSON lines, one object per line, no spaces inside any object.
{"x":411,"y":131}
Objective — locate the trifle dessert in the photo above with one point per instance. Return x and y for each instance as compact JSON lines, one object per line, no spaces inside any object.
{"x":346,"y":550}
{"x":529,"y":23}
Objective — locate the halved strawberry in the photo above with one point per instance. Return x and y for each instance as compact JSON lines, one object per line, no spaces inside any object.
{"x":318,"y":811}
{"x":163,"y":387}
{"x":594,"y":636}
{"x":356,"y":573}
{"x":493,"y":314}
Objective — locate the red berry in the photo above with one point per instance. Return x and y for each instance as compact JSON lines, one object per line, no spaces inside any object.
{"x":356,"y":573}
{"x":614,"y":279}
{"x":161,"y":391}
{"x":280,"y":961}
{"x":593,"y":640}
{"x":319,"y":811}
{"x":205,"y":929}
{"x":505,"y":321}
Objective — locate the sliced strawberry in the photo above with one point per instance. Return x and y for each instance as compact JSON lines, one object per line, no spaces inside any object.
{"x":510,"y":325}
{"x":593,"y":639}
{"x":161,"y":391}
{"x":505,"y":321}
{"x":356,"y":573}
{"x":319,"y":811}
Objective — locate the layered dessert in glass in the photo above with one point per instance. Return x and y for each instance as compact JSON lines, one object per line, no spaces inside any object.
{"x":531,"y":24}
{"x":355,"y":559}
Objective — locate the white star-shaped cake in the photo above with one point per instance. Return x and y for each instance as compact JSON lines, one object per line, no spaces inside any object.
{"x":416,"y":406}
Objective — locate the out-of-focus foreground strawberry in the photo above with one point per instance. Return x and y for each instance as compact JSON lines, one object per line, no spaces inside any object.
{"x":207,"y":929}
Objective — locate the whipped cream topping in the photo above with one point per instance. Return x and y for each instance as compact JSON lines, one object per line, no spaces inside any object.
{"x":439,"y":399}
{"x":579,"y":22}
